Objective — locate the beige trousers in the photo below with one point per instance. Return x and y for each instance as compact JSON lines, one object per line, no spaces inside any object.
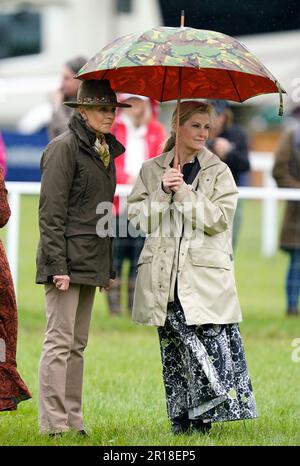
{"x":68,"y":316}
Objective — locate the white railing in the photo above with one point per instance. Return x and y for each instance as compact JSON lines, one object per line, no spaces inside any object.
{"x":15,"y":190}
{"x":268,"y":194}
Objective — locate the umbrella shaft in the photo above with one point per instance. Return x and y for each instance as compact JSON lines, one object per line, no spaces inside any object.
{"x":176,"y":155}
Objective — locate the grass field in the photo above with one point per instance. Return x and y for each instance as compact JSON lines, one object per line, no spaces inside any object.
{"x":123,"y":392}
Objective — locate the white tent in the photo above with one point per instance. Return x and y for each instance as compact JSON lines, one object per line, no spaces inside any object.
{"x":280,"y":53}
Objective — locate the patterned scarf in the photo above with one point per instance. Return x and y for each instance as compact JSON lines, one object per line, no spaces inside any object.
{"x":102,"y":149}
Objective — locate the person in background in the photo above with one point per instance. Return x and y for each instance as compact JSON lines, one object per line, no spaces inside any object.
{"x":67,"y":92}
{"x":74,"y":256}
{"x":2,"y":156}
{"x":286,"y":172}
{"x":185,"y":281}
{"x":230,"y":143}
{"x":140,"y":131}
{"x":12,"y":387}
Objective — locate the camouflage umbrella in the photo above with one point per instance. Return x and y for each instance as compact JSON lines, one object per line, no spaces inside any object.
{"x":166,"y":63}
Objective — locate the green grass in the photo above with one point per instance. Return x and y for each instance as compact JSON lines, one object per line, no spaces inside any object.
{"x":123,"y":392}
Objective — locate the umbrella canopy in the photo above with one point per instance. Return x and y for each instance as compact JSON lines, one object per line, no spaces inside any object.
{"x":208,"y":64}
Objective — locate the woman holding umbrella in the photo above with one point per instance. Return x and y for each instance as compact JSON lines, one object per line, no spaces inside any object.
{"x":185,"y":279}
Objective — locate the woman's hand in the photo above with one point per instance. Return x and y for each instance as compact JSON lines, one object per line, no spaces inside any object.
{"x":61,"y":282}
{"x":172,"y":179}
{"x":221,"y":147}
{"x":107,"y":288}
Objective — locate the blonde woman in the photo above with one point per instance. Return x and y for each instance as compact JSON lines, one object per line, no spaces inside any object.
{"x":185,"y":279}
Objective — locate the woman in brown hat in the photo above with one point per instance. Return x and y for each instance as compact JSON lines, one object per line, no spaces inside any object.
{"x":78,"y":179}
{"x":12,"y":388}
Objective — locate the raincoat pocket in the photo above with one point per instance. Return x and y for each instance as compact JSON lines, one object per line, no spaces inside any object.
{"x":143,"y":298}
{"x":206,"y":257}
{"x":145,"y":258}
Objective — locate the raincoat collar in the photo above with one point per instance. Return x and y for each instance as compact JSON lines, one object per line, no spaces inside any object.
{"x":205,"y":157}
{"x":88,"y":137}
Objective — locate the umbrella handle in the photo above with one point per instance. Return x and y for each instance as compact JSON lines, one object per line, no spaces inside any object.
{"x":280,"y":109}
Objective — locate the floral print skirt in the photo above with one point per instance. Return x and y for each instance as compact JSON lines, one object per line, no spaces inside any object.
{"x":204,"y":370}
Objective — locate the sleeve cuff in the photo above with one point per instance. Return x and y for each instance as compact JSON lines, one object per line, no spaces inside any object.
{"x":59,"y":269}
{"x":182,"y":192}
{"x":163,"y":196}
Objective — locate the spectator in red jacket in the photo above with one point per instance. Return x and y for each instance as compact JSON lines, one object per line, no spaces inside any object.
{"x":140,"y":131}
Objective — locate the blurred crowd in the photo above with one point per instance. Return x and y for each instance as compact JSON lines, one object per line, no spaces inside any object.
{"x":141,"y":131}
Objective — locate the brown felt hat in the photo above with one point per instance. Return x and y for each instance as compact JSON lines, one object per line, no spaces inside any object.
{"x":96,"y":92}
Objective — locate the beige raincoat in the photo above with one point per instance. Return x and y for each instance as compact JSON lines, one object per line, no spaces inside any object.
{"x":188,"y":239}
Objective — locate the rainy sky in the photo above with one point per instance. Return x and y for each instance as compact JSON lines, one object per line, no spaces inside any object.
{"x":234,"y":17}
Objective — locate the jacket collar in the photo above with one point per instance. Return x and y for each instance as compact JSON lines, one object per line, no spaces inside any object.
{"x":205,"y":157}
{"x":88,"y":137}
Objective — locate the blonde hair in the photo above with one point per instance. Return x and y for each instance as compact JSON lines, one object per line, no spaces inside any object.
{"x":187,"y":109}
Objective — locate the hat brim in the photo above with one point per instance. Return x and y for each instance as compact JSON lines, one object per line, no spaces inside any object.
{"x":91,"y":104}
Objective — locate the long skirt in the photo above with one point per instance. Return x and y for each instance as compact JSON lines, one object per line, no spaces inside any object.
{"x":204,"y":370}
{"x":12,"y":387}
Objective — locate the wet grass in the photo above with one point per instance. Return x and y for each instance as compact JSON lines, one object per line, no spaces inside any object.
{"x":123,"y":392}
